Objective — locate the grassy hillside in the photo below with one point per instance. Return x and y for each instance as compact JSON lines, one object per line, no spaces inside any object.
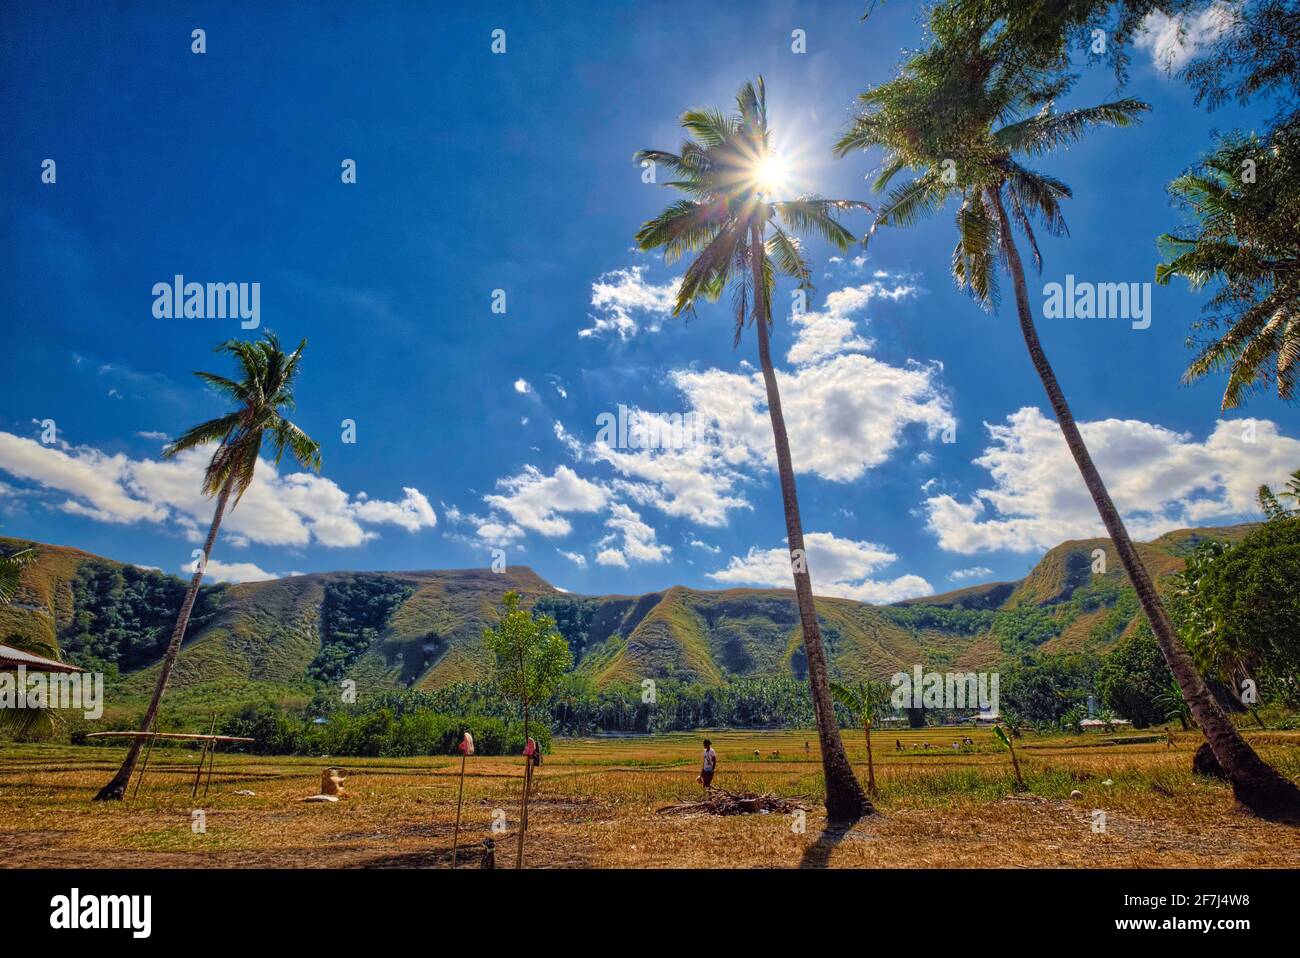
{"x":287,"y":637}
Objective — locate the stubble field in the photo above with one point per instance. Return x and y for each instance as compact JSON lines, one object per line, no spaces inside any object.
{"x":596,"y":804}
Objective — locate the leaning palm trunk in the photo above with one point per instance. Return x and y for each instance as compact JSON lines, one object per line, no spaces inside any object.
{"x":1256,"y":785}
{"x":845,"y":801}
{"x":116,"y":788}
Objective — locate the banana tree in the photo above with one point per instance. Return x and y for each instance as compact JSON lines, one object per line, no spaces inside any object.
{"x":1005,"y":739}
{"x":865,"y":702}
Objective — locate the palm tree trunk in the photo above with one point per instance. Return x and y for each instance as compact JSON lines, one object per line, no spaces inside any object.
{"x":116,"y":788}
{"x":845,"y":800}
{"x":1257,"y":786}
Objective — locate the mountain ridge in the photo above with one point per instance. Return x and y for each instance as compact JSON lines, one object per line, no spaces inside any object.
{"x":423,"y":629}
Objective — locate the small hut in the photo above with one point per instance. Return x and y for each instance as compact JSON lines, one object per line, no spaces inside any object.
{"x":11,"y":658}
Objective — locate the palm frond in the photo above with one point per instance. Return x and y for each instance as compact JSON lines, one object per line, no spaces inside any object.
{"x":1048,"y":130}
{"x":812,"y":214}
{"x":11,"y":572}
{"x":214,"y":430}
{"x":786,"y":252}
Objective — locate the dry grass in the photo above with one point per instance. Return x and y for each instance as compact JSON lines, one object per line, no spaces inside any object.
{"x":595,"y":800}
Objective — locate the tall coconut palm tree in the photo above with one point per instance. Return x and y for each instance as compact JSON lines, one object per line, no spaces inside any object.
{"x":1244,"y":198}
{"x":262,"y":394}
{"x":739,"y":231}
{"x":963,"y":118}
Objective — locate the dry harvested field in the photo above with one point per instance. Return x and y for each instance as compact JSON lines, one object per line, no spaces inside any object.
{"x":596,"y":803}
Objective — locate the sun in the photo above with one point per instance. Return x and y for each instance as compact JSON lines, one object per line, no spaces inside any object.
{"x":772,"y":174}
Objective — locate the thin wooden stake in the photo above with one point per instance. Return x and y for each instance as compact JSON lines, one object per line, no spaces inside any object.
{"x":212,"y":756}
{"x":523,"y":817}
{"x":455,"y":835}
{"x":198,"y":774}
{"x":143,"y":766}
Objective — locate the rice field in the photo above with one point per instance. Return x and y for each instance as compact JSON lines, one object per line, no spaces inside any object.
{"x":596,"y":802}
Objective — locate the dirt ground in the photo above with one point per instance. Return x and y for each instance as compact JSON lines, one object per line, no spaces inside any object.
{"x":596,"y":805}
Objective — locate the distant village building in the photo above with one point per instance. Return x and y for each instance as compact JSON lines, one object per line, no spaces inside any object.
{"x":1103,"y":725}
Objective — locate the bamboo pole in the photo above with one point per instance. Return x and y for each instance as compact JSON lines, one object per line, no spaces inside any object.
{"x":212,"y":755}
{"x":523,"y":817}
{"x":203,"y":757}
{"x":143,"y":765}
{"x":455,"y":835}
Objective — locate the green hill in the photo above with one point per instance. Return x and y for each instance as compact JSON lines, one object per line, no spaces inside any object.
{"x":391,"y":630}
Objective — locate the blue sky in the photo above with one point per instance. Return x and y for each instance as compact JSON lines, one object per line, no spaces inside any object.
{"x":478,"y":430}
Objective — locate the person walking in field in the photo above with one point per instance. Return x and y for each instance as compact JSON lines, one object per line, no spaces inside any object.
{"x":709,"y":766}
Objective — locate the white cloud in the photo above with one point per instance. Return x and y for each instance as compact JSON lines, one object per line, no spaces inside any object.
{"x":499,"y":533}
{"x":974,"y":572}
{"x":1175,"y":41}
{"x":1160,"y":480}
{"x":695,"y":543}
{"x":839,"y":567}
{"x":833,"y":330}
{"x":218,"y":571}
{"x":537,"y":503}
{"x":569,"y":441}
{"x":158,"y":436}
{"x":844,"y":417}
{"x":293,"y":509}
{"x":413,"y":513}
{"x":577,"y":558}
{"x":623,"y":300}
{"x":845,"y":412}
{"x":521,"y":386}
{"x":98,"y":483}
{"x":638,"y":539}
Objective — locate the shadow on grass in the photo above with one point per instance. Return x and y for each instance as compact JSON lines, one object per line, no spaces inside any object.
{"x":819,"y":852}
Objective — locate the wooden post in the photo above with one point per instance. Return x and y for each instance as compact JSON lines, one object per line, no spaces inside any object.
{"x":203,"y":757}
{"x":523,"y":817}
{"x":212,"y":756}
{"x":143,"y":765}
{"x":212,"y":761}
{"x":530,"y":747}
{"x":466,"y":750}
{"x":460,"y":798}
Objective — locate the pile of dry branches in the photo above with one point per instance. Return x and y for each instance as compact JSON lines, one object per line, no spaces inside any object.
{"x":719,"y":801}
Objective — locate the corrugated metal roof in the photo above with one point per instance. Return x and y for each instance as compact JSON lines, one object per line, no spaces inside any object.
{"x":11,"y":658}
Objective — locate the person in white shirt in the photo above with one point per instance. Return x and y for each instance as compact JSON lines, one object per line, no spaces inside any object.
{"x":710,"y":765}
